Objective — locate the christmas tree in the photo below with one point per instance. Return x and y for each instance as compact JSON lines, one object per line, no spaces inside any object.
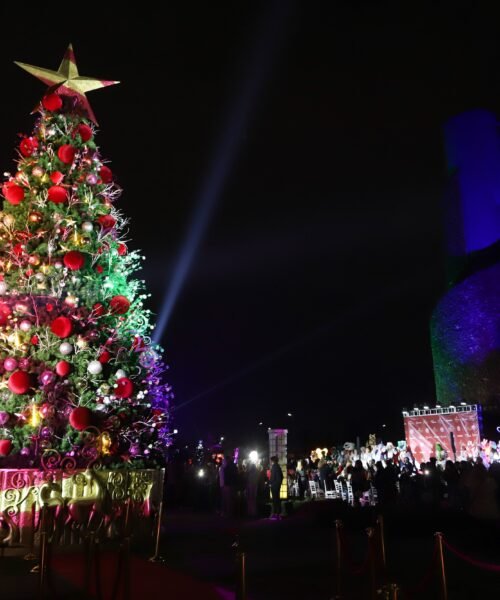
{"x":80,"y":380}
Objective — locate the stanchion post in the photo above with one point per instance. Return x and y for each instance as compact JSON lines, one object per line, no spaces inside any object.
{"x":126,"y":525}
{"x":89,"y":559}
{"x":338,"y":578}
{"x":31,"y":554}
{"x":156,"y":556}
{"x":442,"y":572}
{"x":42,"y":571}
{"x":394,"y":591}
{"x":126,"y":566}
{"x":241,"y":585}
{"x":370,"y":532}
{"x":381,"y":531}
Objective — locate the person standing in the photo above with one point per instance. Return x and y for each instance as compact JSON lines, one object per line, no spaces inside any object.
{"x":228,"y":480}
{"x":252,"y":484}
{"x":275,"y":482}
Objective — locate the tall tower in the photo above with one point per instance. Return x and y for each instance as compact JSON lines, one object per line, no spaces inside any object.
{"x":465,"y":324}
{"x":278,"y":447}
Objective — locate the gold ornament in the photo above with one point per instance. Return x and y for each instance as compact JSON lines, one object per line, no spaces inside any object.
{"x":35,"y":217}
{"x":45,"y":178}
{"x":34,"y":260}
{"x":71,"y":300}
{"x":35,"y":418}
{"x":104,"y":443}
{"x":20,"y":307}
{"x":81,"y":342}
{"x":9,"y":220}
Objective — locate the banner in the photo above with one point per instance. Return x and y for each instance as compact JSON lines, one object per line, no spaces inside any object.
{"x":424,"y":431}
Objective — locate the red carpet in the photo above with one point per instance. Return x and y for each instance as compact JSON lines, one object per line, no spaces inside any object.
{"x":147,"y":580}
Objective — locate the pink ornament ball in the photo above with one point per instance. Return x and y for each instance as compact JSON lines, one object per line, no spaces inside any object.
{"x":10,"y":364}
{"x":25,"y":325}
{"x":46,"y":378}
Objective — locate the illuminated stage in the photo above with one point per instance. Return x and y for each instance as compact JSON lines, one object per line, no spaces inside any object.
{"x":455,"y":429}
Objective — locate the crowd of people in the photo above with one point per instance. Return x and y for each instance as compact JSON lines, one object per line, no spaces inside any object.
{"x":389,"y":473}
{"x":470,"y":483}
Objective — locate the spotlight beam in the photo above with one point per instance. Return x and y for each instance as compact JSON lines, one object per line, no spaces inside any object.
{"x":271,"y":37}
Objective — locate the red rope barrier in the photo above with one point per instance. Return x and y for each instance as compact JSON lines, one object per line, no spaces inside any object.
{"x":472,"y":561}
{"x":424,"y":582}
{"x":354,"y":568}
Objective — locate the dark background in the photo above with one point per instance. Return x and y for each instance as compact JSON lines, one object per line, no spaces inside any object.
{"x":311,"y":291}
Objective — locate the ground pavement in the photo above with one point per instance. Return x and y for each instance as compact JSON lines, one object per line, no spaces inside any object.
{"x":289,"y":559}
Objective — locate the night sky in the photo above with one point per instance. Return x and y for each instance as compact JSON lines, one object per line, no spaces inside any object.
{"x":312,"y":288}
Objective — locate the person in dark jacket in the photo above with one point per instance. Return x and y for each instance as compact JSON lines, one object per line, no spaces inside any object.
{"x":275,"y":482}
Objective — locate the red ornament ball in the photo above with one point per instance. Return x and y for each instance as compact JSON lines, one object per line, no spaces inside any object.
{"x":18,"y":249}
{"x":106,"y":221}
{"x":66,"y":153}
{"x":119,"y":305}
{"x":85,"y":132}
{"x":61,"y":327}
{"x":57,"y":194}
{"x":13,"y":193}
{"x":63,"y":368}
{"x":122,"y":249}
{"x":104,"y":357}
{"x":106,"y":174}
{"x":138,"y":344}
{"x":5,"y":312}
{"x":5,"y":447}
{"x":34,"y":340}
{"x":56,"y":177}
{"x":124,"y":389}
{"x":98,"y":309}
{"x":52,"y":102}
{"x":80,"y":418}
{"x":74,"y":260}
{"x":27,"y":146}
{"x":19,"y":382}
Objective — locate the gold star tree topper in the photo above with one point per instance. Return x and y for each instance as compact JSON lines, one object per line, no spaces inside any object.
{"x":66,"y":81}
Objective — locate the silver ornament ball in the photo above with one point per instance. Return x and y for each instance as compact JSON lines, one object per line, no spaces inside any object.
{"x":65,"y":348}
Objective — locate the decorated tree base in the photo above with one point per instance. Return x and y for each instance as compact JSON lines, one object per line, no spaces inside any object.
{"x":78,"y":500}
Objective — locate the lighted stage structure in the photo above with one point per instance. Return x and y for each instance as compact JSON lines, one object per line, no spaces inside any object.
{"x":457,"y":430}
